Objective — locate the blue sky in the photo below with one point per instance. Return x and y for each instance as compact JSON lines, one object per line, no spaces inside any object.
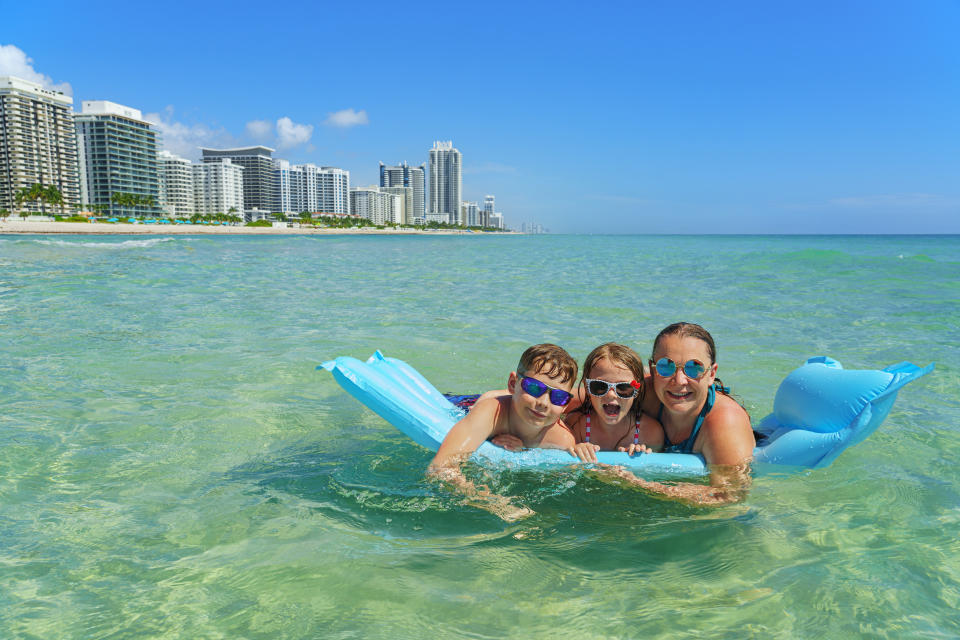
{"x":604,"y":117}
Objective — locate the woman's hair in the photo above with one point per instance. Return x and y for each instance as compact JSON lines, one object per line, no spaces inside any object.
{"x":617,"y":354}
{"x":690,"y":330}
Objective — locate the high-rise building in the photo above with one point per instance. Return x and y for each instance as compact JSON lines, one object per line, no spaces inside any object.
{"x":375,"y":205}
{"x":176,"y":185}
{"x":405,"y":176}
{"x":118,"y":154}
{"x":471,"y":214}
{"x":495,"y":221}
{"x":406,"y":200}
{"x":219,"y":187}
{"x":489,"y":202}
{"x":445,"y":181}
{"x":38,"y":142}
{"x":309,"y":188}
{"x":261,"y":189}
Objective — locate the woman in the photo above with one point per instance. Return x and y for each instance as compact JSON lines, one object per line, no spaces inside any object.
{"x":697,"y":416}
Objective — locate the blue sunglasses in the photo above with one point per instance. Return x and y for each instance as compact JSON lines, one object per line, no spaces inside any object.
{"x":665,"y":368}
{"x":535,"y":388}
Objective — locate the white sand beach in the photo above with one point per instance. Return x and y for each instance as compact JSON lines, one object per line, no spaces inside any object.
{"x":15,"y":225}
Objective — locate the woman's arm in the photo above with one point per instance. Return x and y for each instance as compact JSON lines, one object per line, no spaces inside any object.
{"x":727,"y":447}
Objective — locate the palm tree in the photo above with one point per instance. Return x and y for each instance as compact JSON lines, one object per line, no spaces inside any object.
{"x":52,"y":195}
{"x":123,"y":200}
{"x":19,"y":197}
{"x":37,"y":192}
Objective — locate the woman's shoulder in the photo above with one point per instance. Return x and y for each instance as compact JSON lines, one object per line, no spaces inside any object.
{"x":727,"y":415}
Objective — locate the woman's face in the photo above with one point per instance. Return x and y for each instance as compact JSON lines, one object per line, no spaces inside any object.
{"x":678,"y":393}
{"x":610,"y":408}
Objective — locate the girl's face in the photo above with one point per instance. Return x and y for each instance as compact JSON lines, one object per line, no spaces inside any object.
{"x":678,"y":393}
{"x":610,"y":408}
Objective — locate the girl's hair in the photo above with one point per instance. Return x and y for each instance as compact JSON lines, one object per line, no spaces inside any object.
{"x":617,"y":354}
{"x":691,"y":330}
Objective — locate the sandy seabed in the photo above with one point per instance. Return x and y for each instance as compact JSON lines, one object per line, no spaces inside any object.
{"x":17,"y":225}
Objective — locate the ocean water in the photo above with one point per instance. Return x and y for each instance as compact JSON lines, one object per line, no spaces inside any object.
{"x":172,"y":466}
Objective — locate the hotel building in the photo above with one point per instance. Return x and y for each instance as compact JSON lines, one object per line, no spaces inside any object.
{"x":118,"y":154}
{"x":219,"y":187}
{"x":406,"y":202}
{"x":405,"y":176}
{"x":309,"y":188}
{"x":261,"y":190}
{"x":376,"y":206}
{"x":470,"y":212}
{"x":38,"y":142}
{"x":445,"y":182}
{"x":176,"y":185}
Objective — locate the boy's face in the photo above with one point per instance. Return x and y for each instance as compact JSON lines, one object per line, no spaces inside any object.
{"x":538,"y":412}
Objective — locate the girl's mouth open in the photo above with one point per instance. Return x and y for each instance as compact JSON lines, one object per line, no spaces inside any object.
{"x":680,"y":395}
{"x":611,"y":410}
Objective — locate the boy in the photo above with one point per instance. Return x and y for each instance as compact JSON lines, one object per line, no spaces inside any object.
{"x":538,"y":390}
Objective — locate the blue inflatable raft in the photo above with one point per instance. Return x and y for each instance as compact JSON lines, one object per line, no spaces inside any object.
{"x":820,"y":409}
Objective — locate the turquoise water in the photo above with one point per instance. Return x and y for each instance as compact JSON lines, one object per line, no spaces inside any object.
{"x":171,"y":465}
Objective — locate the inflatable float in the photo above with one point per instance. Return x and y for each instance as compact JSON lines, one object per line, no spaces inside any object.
{"x":819,"y":410}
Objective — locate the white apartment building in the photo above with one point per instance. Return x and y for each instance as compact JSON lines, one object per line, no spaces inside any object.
{"x":445,"y":181}
{"x":177,"y":191}
{"x":470,"y":213}
{"x":375,"y":205}
{"x":218,"y":187}
{"x":407,"y":199}
{"x":403,"y":175}
{"x":309,"y":188}
{"x":118,"y":154}
{"x":38,"y":143}
{"x":495,"y":221}
{"x":488,"y":207}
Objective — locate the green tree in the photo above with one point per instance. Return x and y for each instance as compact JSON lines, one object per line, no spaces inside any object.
{"x":19,"y":198}
{"x":53,"y":196}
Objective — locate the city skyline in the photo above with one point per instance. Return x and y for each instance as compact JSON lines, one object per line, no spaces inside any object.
{"x":706,"y":119}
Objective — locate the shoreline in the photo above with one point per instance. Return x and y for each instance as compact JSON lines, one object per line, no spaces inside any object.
{"x":44,"y":227}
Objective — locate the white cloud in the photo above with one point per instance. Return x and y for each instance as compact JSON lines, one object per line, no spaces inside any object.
{"x":291,"y":134}
{"x":259,"y":130}
{"x":14,"y":62}
{"x":347,"y":118}
{"x":186,"y":139}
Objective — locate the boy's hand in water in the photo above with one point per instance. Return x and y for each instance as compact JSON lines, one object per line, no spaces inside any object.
{"x":508,"y":442}
{"x":586,"y":451}
{"x":636,"y":449}
{"x":499,"y":506}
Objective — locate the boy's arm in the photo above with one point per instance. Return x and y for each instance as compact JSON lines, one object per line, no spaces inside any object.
{"x":468,"y":434}
{"x":462,"y":440}
{"x":558,"y":436}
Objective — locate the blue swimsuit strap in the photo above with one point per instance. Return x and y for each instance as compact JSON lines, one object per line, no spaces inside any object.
{"x":687,"y":445}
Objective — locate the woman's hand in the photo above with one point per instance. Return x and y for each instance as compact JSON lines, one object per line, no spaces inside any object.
{"x":508,"y":442}
{"x":635,"y":449}
{"x":586,"y":451}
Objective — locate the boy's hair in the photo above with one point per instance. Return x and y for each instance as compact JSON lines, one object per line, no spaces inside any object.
{"x":550,"y":360}
{"x":623,"y":356}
